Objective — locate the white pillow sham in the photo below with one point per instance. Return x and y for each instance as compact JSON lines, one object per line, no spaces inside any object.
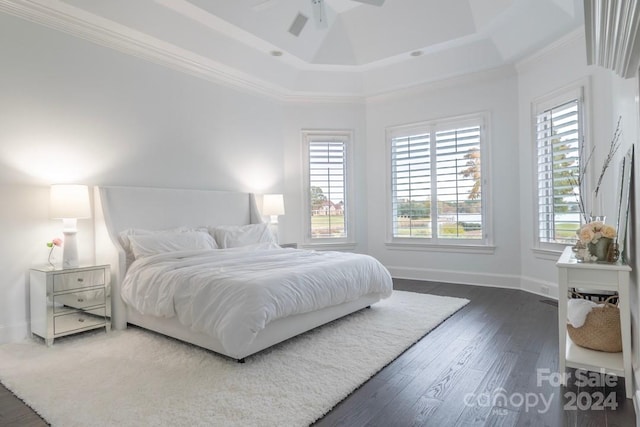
{"x":233,"y":236}
{"x":157,"y":243}
{"x":126,"y":242}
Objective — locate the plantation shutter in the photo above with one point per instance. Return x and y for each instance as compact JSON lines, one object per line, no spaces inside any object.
{"x":411,"y":185}
{"x":558,"y":151}
{"x":458,"y":182}
{"x":327,"y":186}
{"x":436,"y":182}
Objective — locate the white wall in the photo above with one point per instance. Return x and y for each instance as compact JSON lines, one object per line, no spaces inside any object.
{"x":340,"y":116}
{"x":493,"y":92}
{"x":75,"y":111}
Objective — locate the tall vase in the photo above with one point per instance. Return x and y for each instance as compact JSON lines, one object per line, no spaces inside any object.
{"x":596,"y":211}
{"x":598,"y":218}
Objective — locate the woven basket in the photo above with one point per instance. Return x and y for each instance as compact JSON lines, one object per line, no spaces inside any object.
{"x":601,"y":329}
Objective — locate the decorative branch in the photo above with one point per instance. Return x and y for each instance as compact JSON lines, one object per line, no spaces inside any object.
{"x":584,"y":160}
{"x":613,"y":148}
{"x":579,"y":180}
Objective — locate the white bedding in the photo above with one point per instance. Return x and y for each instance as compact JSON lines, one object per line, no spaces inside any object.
{"x":232,"y":294}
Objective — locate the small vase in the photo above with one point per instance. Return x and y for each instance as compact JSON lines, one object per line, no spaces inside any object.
{"x":49,"y":258}
{"x":600,"y":249}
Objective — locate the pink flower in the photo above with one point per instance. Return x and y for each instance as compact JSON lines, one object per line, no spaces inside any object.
{"x":592,"y":232}
{"x":586,"y":234}
{"x":608,"y":231}
{"x":54,"y":242}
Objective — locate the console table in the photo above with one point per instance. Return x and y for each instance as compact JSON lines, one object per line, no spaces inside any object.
{"x":594,"y":276}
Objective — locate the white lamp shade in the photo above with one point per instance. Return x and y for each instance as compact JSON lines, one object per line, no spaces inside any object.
{"x":69,"y":201}
{"x":273,"y":204}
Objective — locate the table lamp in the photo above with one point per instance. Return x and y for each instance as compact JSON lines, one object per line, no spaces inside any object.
{"x":69,"y":202}
{"x":272,"y":206}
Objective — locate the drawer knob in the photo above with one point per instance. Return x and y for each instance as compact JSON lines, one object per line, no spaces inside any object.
{"x":80,"y":279}
{"x":80,"y":300}
{"x":80,"y":320}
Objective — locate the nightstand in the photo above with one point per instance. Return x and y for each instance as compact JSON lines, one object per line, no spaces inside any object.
{"x":70,"y":300}
{"x":600,"y":276}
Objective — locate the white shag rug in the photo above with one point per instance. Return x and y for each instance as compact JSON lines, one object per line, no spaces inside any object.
{"x":138,"y":378}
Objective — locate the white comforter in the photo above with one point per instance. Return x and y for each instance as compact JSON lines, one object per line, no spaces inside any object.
{"x":232,"y":294}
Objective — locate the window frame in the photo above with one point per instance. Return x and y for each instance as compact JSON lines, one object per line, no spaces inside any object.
{"x":574,"y":92}
{"x":484,"y":245}
{"x":345,"y":136}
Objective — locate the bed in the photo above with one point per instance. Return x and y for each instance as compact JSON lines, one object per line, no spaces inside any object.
{"x":120,"y":211}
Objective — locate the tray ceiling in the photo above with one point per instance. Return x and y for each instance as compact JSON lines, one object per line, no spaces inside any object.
{"x":364,"y":50}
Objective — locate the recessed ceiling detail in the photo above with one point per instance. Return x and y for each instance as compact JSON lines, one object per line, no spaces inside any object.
{"x":368,"y":47}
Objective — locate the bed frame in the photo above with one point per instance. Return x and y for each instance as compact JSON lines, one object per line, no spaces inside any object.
{"x":121,"y":208}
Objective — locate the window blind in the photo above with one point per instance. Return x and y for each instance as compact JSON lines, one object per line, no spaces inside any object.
{"x":327,"y":182}
{"x":411,"y":185}
{"x":436,"y":182}
{"x":459,"y":182}
{"x":558,"y":150}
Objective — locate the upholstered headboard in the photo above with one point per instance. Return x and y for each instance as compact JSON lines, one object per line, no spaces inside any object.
{"x":122,"y":208}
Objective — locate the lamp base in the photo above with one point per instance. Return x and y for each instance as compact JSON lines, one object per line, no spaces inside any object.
{"x":274,"y":227}
{"x":70,"y":249}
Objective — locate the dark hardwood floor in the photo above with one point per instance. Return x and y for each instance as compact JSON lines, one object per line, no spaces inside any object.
{"x":491,"y":364}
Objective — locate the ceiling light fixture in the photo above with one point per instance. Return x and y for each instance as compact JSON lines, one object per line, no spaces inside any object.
{"x":319,"y":12}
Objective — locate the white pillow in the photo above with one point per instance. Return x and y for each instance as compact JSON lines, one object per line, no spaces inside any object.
{"x":152,"y":244}
{"x":233,"y":236}
{"x":126,"y":234}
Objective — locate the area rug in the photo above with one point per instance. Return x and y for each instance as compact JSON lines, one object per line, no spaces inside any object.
{"x":138,"y":378}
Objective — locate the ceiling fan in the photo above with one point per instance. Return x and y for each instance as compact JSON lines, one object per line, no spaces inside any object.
{"x":320,"y":15}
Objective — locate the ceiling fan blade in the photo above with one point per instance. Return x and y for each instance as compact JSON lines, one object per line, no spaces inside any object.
{"x":371,"y":2}
{"x":298,"y":24}
{"x":319,"y":13}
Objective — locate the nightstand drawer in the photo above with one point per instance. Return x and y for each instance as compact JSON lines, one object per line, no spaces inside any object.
{"x":78,"y":279}
{"x":79,"y":320}
{"x":595,"y":279}
{"x":78,"y":300}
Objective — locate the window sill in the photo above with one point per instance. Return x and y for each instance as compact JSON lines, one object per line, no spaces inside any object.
{"x":470,"y":249}
{"x":547,"y":254}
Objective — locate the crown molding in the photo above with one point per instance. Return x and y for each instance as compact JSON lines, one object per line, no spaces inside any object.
{"x":61,"y":16}
{"x":84,"y":25}
{"x":501,"y":72}
{"x":575,"y":36}
{"x":613,"y":35}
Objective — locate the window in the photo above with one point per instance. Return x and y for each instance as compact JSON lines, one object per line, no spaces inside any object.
{"x":558,"y":136}
{"x":437,"y":188}
{"x":327,"y":186}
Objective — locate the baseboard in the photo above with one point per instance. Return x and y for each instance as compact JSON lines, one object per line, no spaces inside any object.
{"x":13,"y":333}
{"x":539,"y":287}
{"x":508,"y":281}
{"x":636,"y":408}
{"x":448,"y":276}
